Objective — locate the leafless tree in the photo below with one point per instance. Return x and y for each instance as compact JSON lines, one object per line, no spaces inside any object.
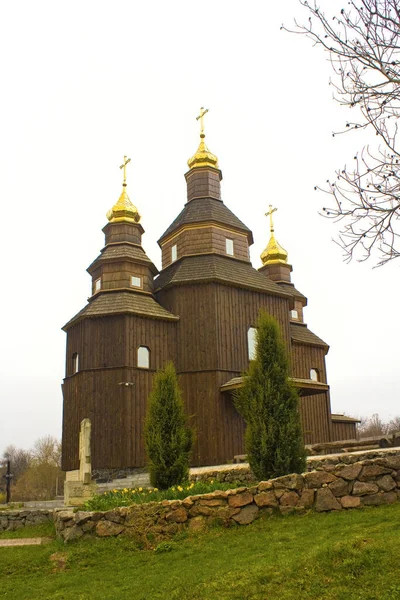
{"x":363,"y":42}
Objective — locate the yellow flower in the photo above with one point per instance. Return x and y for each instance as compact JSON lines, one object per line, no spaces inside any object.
{"x":140,"y":489}
{"x":155,"y":489}
{"x":115,"y":491}
{"x":179,"y":488}
{"x":212,"y":481}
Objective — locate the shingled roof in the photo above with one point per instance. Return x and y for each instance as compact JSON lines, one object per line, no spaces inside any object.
{"x":290,"y":289}
{"x":212,"y":267}
{"x":107,"y":303}
{"x":121,"y":251}
{"x":202,"y":210}
{"x":300,"y":333}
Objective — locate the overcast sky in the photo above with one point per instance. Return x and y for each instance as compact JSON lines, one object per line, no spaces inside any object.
{"x":84,"y":83}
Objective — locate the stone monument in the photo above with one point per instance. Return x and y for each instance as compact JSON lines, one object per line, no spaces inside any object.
{"x":79,"y":486}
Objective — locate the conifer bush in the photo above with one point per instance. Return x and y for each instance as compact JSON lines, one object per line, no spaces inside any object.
{"x":168,"y":439}
{"x":269,"y":404}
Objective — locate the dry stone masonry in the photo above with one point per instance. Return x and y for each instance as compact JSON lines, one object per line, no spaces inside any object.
{"x":12,"y":520}
{"x":335,"y":485}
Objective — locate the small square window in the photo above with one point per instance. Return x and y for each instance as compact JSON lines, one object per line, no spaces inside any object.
{"x":136,"y":281}
{"x":294,"y":314}
{"x":229,"y":246}
{"x":97,"y":285}
{"x":174,"y":253}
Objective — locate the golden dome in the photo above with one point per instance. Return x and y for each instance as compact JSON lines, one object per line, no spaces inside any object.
{"x":203,"y":156}
{"x":274,"y":253}
{"x":124,"y":210}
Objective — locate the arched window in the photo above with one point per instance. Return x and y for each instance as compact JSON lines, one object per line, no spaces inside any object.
{"x":252,"y":342}
{"x":143,"y":357}
{"x":75,"y":363}
{"x":314,"y":375}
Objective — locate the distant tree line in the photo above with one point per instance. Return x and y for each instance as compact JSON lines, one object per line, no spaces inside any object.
{"x":373,"y":426}
{"x":36,"y":472}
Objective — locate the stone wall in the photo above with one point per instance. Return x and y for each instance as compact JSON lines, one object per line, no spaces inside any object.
{"x":241,"y":472}
{"x":11,"y":520}
{"x":335,"y":486}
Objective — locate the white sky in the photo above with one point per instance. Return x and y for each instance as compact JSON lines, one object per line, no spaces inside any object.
{"x":84,"y":83}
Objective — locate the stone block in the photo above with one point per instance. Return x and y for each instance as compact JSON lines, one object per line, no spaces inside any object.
{"x":386,"y":483}
{"x":349,"y":472}
{"x":350,"y":501}
{"x":361,"y":488}
{"x":76,"y":492}
{"x":316,"y":479}
{"x":372,"y":471}
{"x":306,"y":499}
{"x":289,"y":499}
{"x":326,"y":501}
{"x":378,"y":499}
{"x":290,"y":482}
{"x":197,"y":524}
{"x":108,"y":529}
{"x":265,"y":485}
{"x":266,"y":499}
{"x":246,"y":515}
{"x":340,"y":487}
{"x":72,"y":533}
{"x":240,"y":499}
{"x":177,"y":516}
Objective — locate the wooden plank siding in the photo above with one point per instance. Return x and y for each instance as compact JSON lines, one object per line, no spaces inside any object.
{"x":107,"y":349}
{"x":205,"y":240}
{"x":344,"y":431}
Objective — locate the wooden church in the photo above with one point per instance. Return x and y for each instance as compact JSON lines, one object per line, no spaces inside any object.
{"x":200,"y":312}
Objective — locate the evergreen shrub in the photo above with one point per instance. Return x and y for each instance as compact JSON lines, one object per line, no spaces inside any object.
{"x":168,"y":439}
{"x":269,"y":404}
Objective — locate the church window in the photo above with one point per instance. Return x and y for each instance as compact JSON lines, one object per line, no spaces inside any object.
{"x":229,"y":246}
{"x":314,"y":375}
{"x":75,"y":363}
{"x":174,"y":253}
{"x":97,"y":284}
{"x":294,"y":314}
{"x":143,"y":357}
{"x":252,"y":342}
{"x":136,"y":281}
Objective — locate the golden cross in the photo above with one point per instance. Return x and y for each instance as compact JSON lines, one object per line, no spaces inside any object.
{"x":201,"y":115}
{"x":269,"y":214}
{"x":126,"y":161}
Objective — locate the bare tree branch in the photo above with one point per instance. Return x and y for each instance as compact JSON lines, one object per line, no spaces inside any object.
{"x":363,"y":42}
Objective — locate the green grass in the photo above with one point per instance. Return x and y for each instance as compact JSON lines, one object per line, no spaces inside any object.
{"x":127,"y":497}
{"x":352,"y":555}
{"x":42,"y":530}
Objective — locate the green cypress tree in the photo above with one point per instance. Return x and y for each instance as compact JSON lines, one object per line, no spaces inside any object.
{"x":269,"y":404}
{"x":168,"y":439}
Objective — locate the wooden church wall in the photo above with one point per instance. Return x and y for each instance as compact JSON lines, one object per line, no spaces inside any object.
{"x":107,"y":349}
{"x":304,"y":358}
{"x":214,"y":321}
{"x":344,"y":431}
{"x":315,"y":418}
{"x":218,"y":426}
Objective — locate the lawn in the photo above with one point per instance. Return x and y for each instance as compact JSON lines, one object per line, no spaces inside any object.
{"x":352,"y":555}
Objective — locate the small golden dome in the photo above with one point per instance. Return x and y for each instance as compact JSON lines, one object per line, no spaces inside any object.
{"x":123,"y":210}
{"x":203,"y":157}
{"x":274,"y":253}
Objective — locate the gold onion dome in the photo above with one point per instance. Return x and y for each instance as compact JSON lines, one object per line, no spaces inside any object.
{"x":203,"y":156}
{"x":123,"y":210}
{"x":273,"y":253}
